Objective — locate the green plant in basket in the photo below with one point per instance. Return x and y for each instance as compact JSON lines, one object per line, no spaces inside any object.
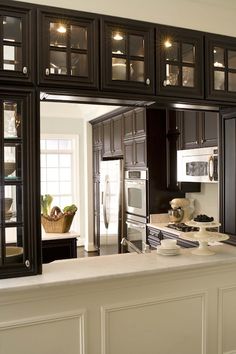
{"x":70,"y":209}
{"x":46,"y":202}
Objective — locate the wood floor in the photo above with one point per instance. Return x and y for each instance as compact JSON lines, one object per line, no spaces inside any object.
{"x":82,"y":253}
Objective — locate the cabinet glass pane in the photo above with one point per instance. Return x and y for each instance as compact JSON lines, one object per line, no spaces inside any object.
{"x":136,"y":45}
{"x":78,"y":37}
{"x":12,"y":58}
{"x":172,"y":75}
{"x":231,"y":59}
{"x":12,"y":112}
{"x":232,"y":81}
{"x":171,"y":50}
{"x":137,"y":70}
{"x":13,"y":203}
{"x":12,"y":161}
{"x":12,"y":29}
{"x":119,"y":69}
{"x":188,"y":53}
{"x":14,"y":245}
{"x":219,"y":57}
{"x":58,"y":34}
{"x":188,"y":76}
{"x":58,"y":63}
{"x":118,"y":42}
{"x":79,"y":64}
{"x":219,"y":80}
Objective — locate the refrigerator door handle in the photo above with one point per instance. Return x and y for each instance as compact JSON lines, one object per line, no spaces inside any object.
{"x":106,"y":195}
{"x":135,"y":225}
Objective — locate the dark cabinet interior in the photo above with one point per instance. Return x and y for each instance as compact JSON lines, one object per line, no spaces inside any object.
{"x":67,"y":49}
{"x":179,"y":55}
{"x":127,"y":52}
{"x":17,"y":37}
{"x":221,"y":67}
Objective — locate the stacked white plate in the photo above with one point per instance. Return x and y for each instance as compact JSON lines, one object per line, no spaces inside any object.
{"x":164,"y":251}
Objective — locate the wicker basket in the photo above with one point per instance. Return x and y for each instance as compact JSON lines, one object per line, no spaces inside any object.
{"x":60,"y":225}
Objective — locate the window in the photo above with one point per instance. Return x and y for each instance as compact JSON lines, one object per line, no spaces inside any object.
{"x":59,"y":160}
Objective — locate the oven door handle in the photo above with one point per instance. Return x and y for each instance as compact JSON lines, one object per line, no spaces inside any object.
{"x":128,"y":182}
{"x":211,"y":168}
{"x":136,"y":225}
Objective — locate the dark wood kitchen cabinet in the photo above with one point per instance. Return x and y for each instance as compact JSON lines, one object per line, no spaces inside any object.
{"x":179,"y":55}
{"x":154,"y":237}
{"x":19,"y":169}
{"x":61,"y":248}
{"x":197,"y":129}
{"x":68,"y":49}
{"x":17,"y":38}
{"x":135,"y":155}
{"x":127,"y":56}
{"x":220,"y":67}
{"x":113,"y":137}
{"x":227,"y":168}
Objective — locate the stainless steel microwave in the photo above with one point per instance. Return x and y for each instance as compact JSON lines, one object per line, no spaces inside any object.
{"x":197,"y":165}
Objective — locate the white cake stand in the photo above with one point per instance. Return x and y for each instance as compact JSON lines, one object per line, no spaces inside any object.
{"x":203,"y":237}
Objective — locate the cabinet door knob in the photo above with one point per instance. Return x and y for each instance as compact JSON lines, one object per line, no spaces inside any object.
{"x":148,"y":81}
{"x":47,"y":72}
{"x":25,"y":70}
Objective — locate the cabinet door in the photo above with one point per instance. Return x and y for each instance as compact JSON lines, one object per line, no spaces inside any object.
{"x":221,"y":67}
{"x":16,"y":43}
{"x":189,"y":122}
{"x":179,"y":54}
{"x":107,"y":138}
{"x":97,"y":134}
{"x":129,"y":159}
{"x":68,"y":49}
{"x":209,"y":129}
{"x":140,"y":153}
{"x":117,"y":132}
{"x":97,"y":157}
{"x":227,"y":170}
{"x":96,"y":213}
{"x":127,"y":56}
{"x":139,"y":121}
{"x":19,"y":226}
{"x":128,"y":124}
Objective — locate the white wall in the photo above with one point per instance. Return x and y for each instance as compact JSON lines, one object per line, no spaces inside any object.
{"x":217,"y":16}
{"x":52,"y":124}
{"x":206,"y":201}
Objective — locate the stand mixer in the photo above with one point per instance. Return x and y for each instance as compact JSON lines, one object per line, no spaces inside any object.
{"x":182,"y":207}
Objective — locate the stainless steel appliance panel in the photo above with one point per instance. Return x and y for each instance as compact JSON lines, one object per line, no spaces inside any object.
{"x":136,"y":231}
{"x":135,"y":192}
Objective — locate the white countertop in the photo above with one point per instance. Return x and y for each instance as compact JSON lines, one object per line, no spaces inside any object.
{"x":47,"y":236}
{"x":91,"y":269}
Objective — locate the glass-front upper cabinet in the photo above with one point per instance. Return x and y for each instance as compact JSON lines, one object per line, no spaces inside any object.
{"x":68,"y":49}
{"x":221,"y":67}
{"x":127,"y":56}
{"x":18,"y":203}
{"x":16,"y":41}
{"x":179,"y":54}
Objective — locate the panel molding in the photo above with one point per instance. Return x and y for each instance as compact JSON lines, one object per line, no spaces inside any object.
{"x":221,"y":292}
{"x":106,"y":310}
{"x":56,"y":317}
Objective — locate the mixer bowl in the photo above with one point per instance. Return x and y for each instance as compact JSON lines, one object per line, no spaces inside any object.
{"x":175,"y":215}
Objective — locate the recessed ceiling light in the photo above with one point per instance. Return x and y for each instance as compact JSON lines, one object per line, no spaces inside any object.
{"x":167,"y":43}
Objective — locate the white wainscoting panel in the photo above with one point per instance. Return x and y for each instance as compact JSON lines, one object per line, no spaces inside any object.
{"x":174,"y":325}
{"x":62,"y":333}
{"x":227,"y":321}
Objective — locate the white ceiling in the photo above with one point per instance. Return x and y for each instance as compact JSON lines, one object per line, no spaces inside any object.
{"x":86,"y":112}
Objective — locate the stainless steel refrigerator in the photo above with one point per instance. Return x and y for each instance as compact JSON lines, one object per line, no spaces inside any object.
{"x":111,"y":206}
